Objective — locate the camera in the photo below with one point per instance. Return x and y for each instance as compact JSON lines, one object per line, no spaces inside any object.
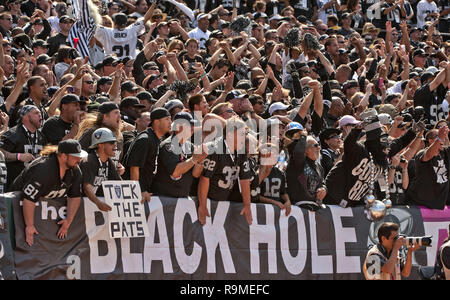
{"x":419,"y":240}
{"x":73,"y":54}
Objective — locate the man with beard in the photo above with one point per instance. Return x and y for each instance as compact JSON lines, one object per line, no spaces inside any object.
{"x":178,"y":164}
{"x":348,"y":181}
{"x":62,"y":180}
{"x":99,"y":166}
{"x":108,"y":116}
{"x":65,"y":126}
{"x":305,"y":176}
{"x":430,"y":186}
{"x":22,"y":143}
{"x":37,"y":89}
{"x":141,"y":159}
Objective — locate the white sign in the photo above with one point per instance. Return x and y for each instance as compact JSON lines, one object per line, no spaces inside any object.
{"x":127,"y":217}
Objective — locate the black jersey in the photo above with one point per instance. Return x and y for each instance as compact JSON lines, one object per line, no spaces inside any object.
{"x":431,"y":102}
{"x":430,"y":186}
{"x":143,"y":153}
{"x":224,"y":171}
{"x":55,"y":129}
{"x":171,"y":153}
{"x":3,"y":173}
{"x":95,"y":172}
{"x":394,"y":16}
{"x":255,"y":189}
{"x":34,"y":185}
{"x":274,"y":185}
{"x":396,"y":191}
{"x":19,"y":140}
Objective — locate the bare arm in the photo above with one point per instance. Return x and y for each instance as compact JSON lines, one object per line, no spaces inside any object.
{"x":164,"y":99}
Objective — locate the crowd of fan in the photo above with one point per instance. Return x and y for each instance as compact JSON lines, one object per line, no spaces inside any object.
{"x":357,"y":90}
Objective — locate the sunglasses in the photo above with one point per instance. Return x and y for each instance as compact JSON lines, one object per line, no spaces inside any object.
{"x":260,"y":102}
{"x":230,"y":111}
{"x":112,"y":65}
{"x":316,"y":145}
{"x":89,"y":81}
{"x":6,"y":44}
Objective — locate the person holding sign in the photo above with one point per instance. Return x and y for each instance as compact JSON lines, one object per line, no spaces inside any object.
{"x":142,"y":156}
{"x":55,"y":174}
{"x":99,"y":166}
{"x":178,"y":166}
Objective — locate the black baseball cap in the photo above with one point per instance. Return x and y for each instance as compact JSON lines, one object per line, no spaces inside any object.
{"x":419,"y":52}
{"x":103,"y":80}
{"x":65,"y":18}
{"x":144,"y":95}
{"x":40,"y":43}
{"x":235,"y":94}
{"x":71,"y":147}
{"x":327,"y":133}
{"x":120,"y":19}
{"x":131,"y":102}
{"x":216,"y":34}
{"x":107,"y":107}
{"x":149,"y":65}
{"x":129,"y":86}
{"x":182,"y":115}
{"x":158,"y":113}
{"x":425,"y":76}
{"x":43,"y":59}
{"x":69,"y":98}
{"x":349,"y":84}
{"x":109,"y":60}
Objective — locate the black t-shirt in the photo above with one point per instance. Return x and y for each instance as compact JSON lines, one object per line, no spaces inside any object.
{"x":255,"y":190}
{"x":95,"y":172}
{"x":430,"y":186}
{"x":20,"y":140}
{"x":164,"y":184}
{"x":396,"y":191}
{"x":34,"y":185}
{"x":394,"y":16}
{"x":143,"y":153}
{"x":3,"y":173}
{"x":304,"y":176}
{"x":274,"y":185}
{"x":224,"y":170}
{"x":304,"y":8}
{"x":431,"y":102}
{"x":327,"y":159}
{"x":55,"y":42}
{"x":55,"y":129}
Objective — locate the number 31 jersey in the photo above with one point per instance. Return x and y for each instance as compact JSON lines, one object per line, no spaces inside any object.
{"x":121,"y":42}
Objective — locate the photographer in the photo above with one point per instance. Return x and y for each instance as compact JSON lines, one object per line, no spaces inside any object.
{"x":442,"y":266}
{"x":386,"y":260}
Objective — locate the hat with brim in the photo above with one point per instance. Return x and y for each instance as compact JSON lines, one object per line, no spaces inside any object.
{"x":347,"y":120}
{"x":71,"y":147}
{"x":327,"y":133}
{"x":292,"y":128}
{"x":158,"y":12}
{"x":187,"y":117}
{"x":277,"y":106}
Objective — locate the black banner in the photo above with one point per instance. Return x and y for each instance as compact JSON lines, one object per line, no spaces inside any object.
{"x":329,"y":244}
{"x":6,"y":255}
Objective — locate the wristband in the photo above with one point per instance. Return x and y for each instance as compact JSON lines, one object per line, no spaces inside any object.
{"x":203,"y":75}
{"x":18,"y":156}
